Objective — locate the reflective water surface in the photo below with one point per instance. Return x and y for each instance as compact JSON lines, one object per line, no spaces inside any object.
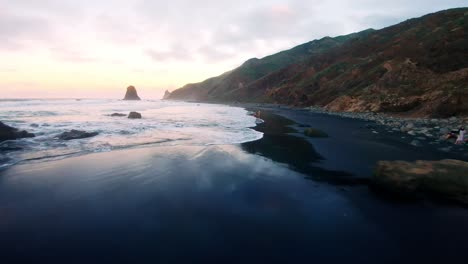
{"x":191,"y":204}
{"x":281,"y":199}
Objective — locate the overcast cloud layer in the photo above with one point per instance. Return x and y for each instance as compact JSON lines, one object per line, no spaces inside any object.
{"x":164,"y":44}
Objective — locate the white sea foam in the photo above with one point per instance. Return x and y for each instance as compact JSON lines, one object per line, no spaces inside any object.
{"x":163,"y":123}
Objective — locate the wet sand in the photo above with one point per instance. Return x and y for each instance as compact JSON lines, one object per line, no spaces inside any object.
{"x":352,"y":147}
{"x":282,"y":199}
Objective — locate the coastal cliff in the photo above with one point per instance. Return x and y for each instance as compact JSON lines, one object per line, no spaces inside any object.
{"x":417,"y":68}
{"x":167,"y":94}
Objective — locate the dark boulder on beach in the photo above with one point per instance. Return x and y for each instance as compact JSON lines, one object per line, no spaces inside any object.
{"x":134,"y":115}
{"x":11,"y":133}
{"x":77,"y":134}
{"x":447,"y":179}
{"x":131,"y":94}
{"x":118,"y":115}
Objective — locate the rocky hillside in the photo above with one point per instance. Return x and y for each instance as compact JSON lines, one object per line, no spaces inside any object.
{"x":226,"y":86}
{"x":416,"y":68}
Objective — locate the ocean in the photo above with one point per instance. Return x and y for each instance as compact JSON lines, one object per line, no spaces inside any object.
{"x":189,"y":183}
{"x":163,"y":123}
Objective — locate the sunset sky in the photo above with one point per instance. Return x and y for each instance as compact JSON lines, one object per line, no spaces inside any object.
{"x":82,"y":49}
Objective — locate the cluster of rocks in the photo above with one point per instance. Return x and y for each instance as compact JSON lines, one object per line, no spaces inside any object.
{"x":420,"y":130}
{"x":130,"y":95}
{"x":10,"y":133}
{"x":79,"y":134}
{"x":131,"y":115}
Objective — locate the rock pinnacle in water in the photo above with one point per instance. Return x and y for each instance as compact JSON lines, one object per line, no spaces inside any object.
{"x":131,"y":94}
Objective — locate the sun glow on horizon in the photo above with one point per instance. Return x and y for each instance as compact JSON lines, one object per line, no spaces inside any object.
{"x":73,"y":49}
{"x":40,"y":75}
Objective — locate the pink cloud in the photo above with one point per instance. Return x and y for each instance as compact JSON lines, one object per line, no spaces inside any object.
{"x":281,"y":10}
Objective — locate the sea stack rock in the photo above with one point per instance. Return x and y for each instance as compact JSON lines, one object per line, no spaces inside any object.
{"x":10,"y":133}
{"x":131,"y":94}
{"x":166,"y":95}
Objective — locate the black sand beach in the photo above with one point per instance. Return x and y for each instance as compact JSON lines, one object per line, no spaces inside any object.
{"x":353,"y":147}
{"x":283,"y":199}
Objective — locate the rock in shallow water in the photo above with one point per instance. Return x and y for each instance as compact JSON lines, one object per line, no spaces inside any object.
{"x":76,"y":134}
{"x":118,"y":115}
{"x":10,"y":133}
{"x":134,"y":115}
{"x":131,"y":94}
{"x":447,"y":179}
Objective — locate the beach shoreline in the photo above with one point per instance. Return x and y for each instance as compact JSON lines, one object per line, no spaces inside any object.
{"x":276,"y":200}
{"x":428,"y":134}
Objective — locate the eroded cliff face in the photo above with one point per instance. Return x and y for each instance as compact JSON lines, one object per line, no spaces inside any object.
{"x":416,"y":68}
{"x":167,"y":94}
{"x":407,"y":90}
